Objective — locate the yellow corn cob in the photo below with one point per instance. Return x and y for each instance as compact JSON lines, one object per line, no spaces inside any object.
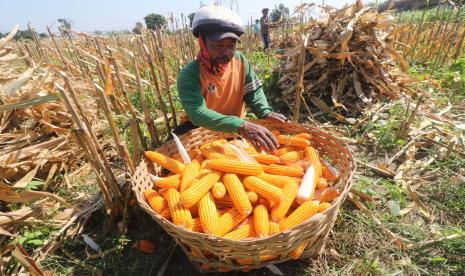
{"x":295,"y":254}
{"x":252,"y":196}
{"x":190,"y":173}
{"x":169,"y":182}
{"x":274,"y":228}
{"x":208,"y":213}
{"x":216,"y":155}
{"x":292,"y":141}
{"x":181,"y":216}
{"x":165,"y":161}
{"x":218,"y":190}
{"x":233,"y":166}
{"x":289,"y":193}
{"x":266,"y":158}
{"x":301,"y":214}
{"x":198,"y":189}
{"x":237,"y":193}
{"x":197,"y":227}
{"x":206,"y":151}
{"x":326,"y":195}
{"x":244,"y":231}
{"x":155,"y":201}
{"x":311,"y":155}
{"x":261,"y":221}
{"x":322,"y":183}
{"x":285,"y":170}
{"x":290,"y":157}
{"x":303,"y":135}
{"x":263,"y":188}
{"x":230,"y":219}
{"x":323,"y":206}
{"x":284,"y":150}
{"x":218,"y":146}
{"x":278,"y":180}
{"x":206,"y":145}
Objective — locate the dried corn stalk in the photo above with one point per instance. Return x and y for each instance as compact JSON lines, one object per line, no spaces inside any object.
{"x":350,"y":61}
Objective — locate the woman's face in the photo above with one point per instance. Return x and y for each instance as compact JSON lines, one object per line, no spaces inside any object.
{"x":221,"y":51}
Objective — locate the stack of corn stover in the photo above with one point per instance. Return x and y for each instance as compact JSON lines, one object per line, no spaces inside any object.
{"x":232,"y":191}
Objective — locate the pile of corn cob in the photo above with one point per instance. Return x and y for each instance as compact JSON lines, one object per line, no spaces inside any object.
{"x":232,"y":191}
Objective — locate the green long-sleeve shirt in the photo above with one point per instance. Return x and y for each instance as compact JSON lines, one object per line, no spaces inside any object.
{"x":217,"y":102}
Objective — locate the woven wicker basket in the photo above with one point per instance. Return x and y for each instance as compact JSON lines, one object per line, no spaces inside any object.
{"x":219,"y":254}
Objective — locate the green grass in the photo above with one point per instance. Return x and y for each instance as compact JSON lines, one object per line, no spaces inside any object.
{"x":110,"y":263}
{"x":385,"y":129}
{"x":364,"y":248}
{"x":264,"y":64}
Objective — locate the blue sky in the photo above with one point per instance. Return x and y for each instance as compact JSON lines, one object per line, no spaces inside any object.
{"x":91,"y":15}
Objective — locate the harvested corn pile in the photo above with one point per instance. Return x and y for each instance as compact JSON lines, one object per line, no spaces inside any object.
{"x":230,"y":190}
{"x":349,"y":62}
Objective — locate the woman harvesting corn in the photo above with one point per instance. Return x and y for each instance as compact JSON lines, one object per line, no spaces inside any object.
{"x":215,"y":87}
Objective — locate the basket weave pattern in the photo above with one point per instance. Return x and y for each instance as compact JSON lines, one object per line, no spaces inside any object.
{"x":217,"y":252}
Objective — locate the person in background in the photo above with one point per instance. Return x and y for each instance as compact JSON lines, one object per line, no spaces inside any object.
{"x":257,"y":28}
{"x":216,"y":87}
{"x":265,"y":24}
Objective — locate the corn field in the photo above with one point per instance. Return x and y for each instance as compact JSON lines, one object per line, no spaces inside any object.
{"x":75,"y":107}
{"x":434,"y":42}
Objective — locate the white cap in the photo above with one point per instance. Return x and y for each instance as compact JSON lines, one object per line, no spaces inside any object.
{"x":217,"y":19}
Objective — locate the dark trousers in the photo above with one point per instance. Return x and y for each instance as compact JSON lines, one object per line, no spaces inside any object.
{"x":266,"y":40}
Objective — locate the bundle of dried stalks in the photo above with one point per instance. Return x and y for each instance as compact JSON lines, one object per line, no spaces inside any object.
{"x":345,"y":60}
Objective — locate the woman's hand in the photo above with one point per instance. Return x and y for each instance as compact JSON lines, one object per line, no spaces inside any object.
{"x":260,"y":137}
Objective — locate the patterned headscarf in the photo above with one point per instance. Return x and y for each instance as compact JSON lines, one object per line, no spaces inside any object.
{"x":206,"y":61}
